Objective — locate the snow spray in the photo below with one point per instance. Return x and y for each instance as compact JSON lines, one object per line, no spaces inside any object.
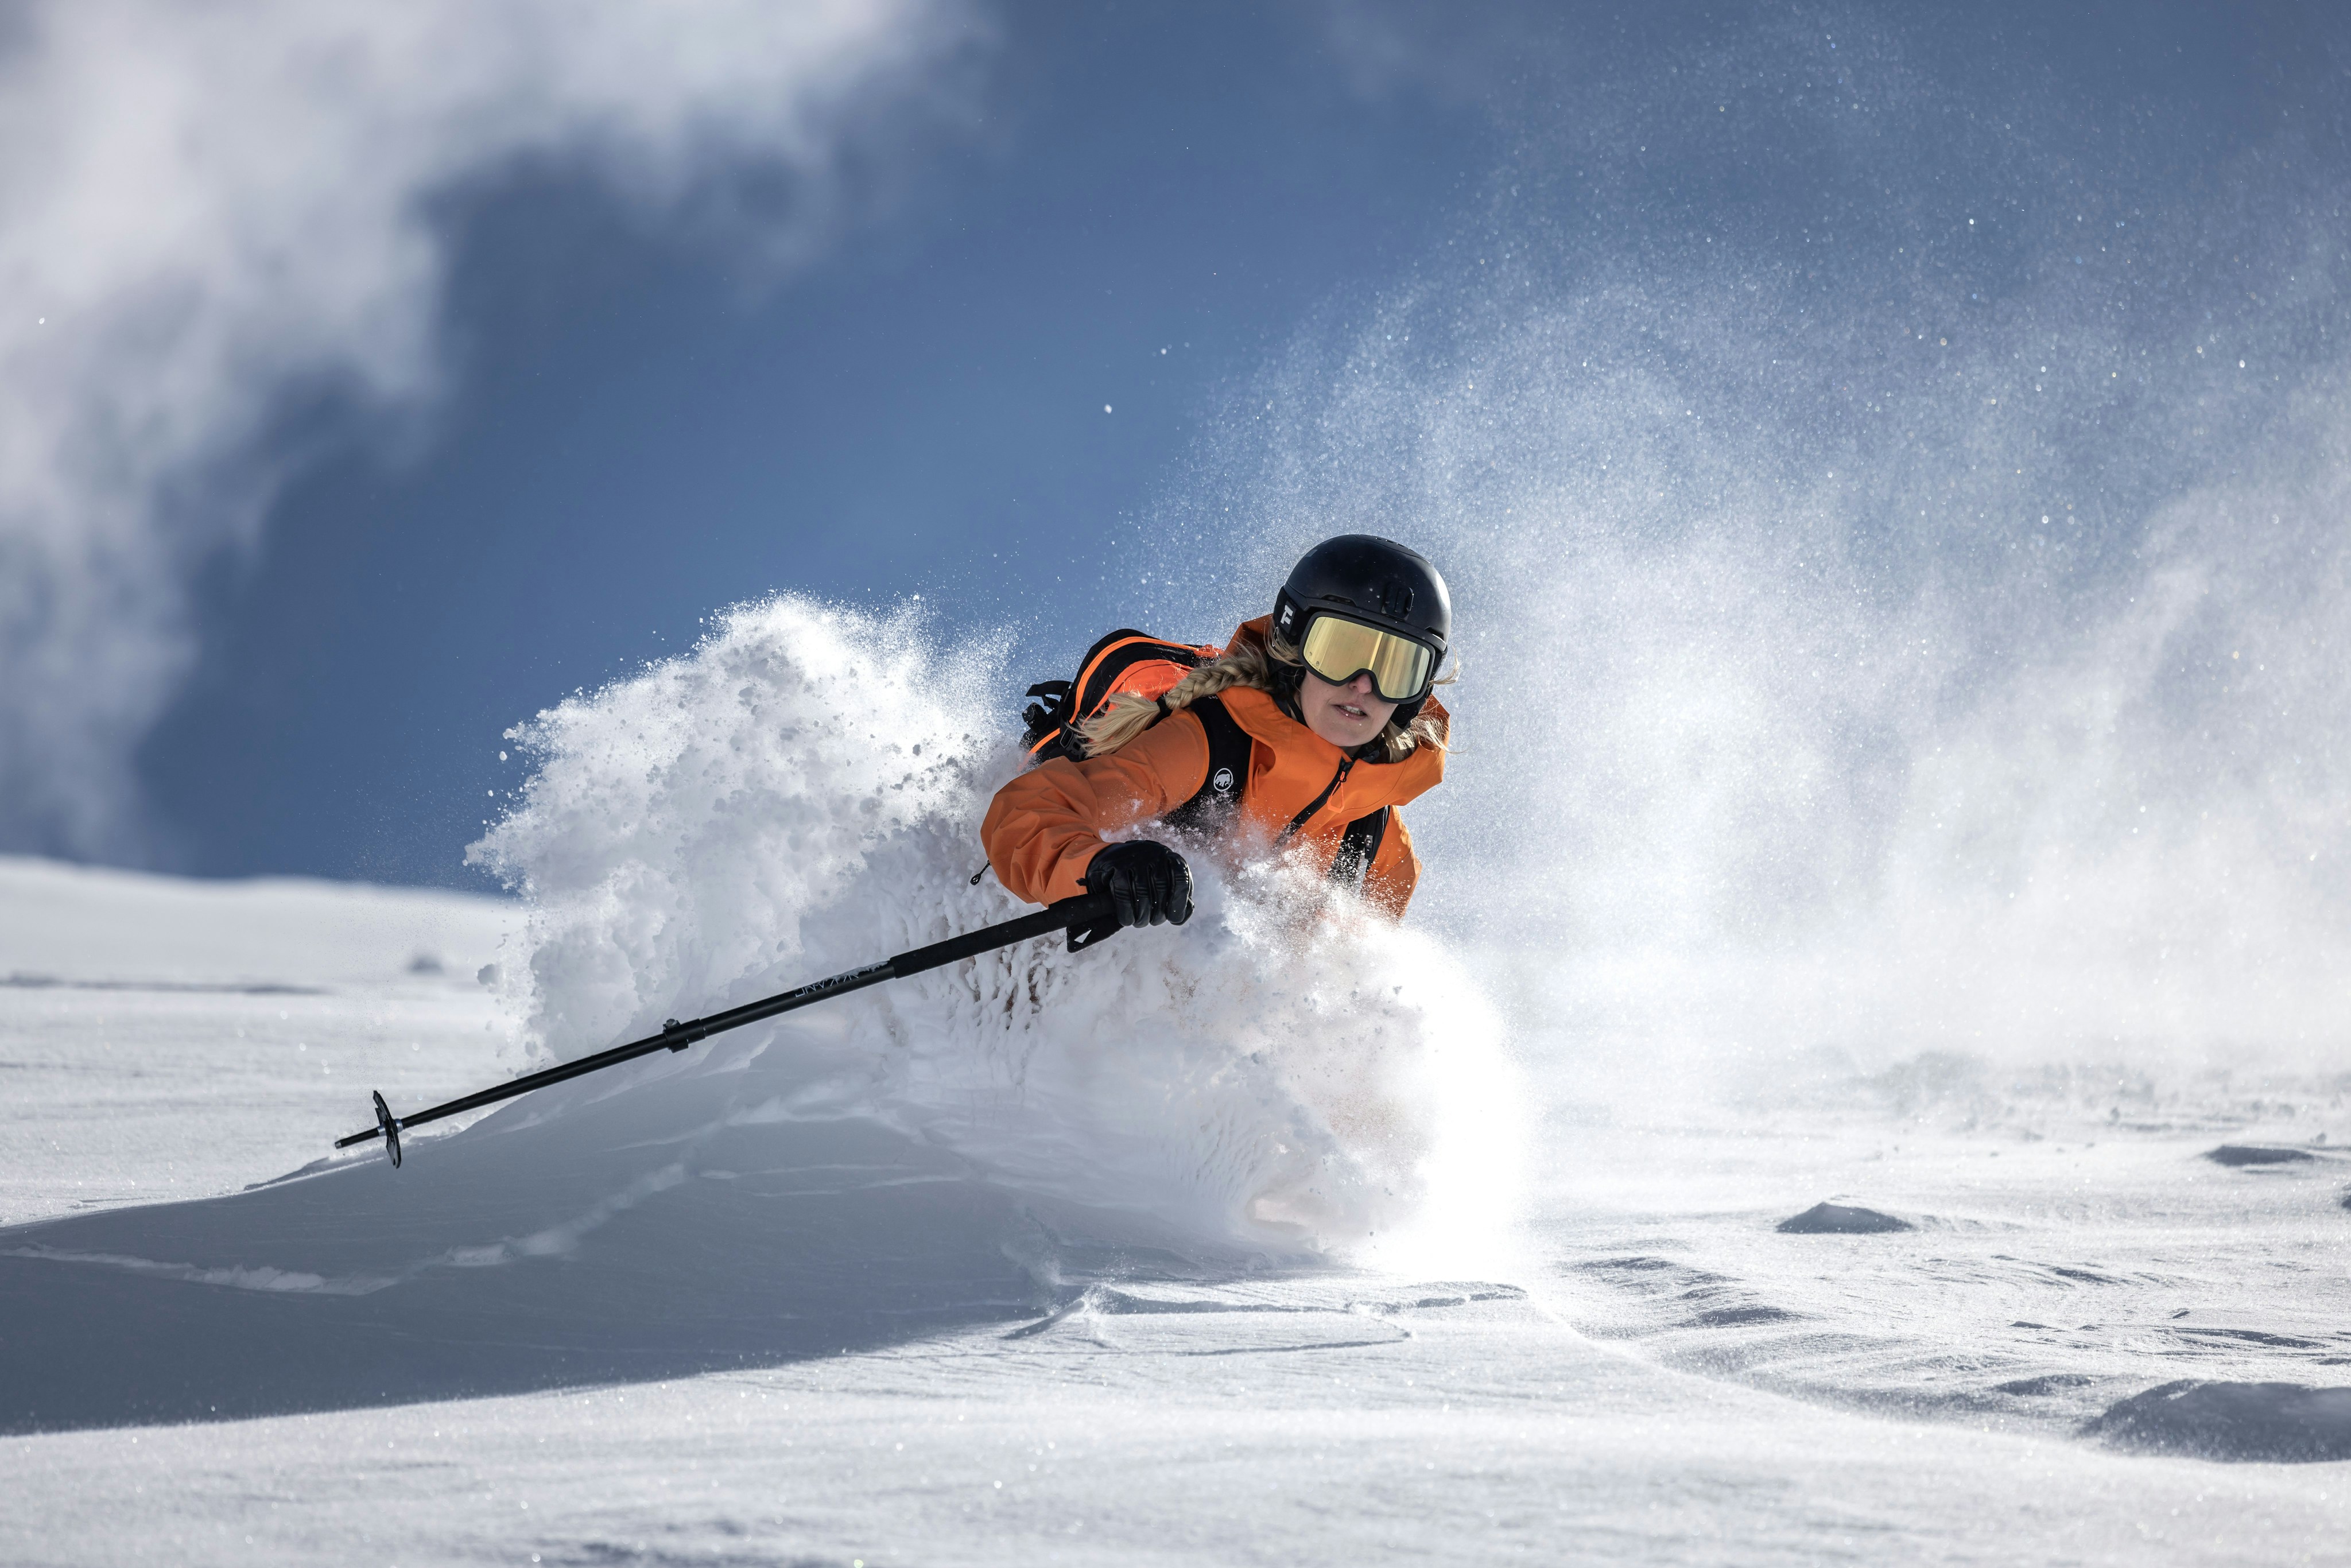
{"x":1920,"y":634}
{"x":803,"y":790}
{"x":1905,"y":649}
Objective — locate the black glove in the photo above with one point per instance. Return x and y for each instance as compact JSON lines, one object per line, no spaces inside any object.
{"x":1147,"y":882}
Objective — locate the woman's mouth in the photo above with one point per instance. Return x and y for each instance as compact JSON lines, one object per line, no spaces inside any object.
{"x":1353,"y":715}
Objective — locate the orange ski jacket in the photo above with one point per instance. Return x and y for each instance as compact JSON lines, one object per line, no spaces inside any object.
{"x":1045,"y":827}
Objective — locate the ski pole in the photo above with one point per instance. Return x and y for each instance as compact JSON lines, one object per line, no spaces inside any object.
{"x":1087,"y":918}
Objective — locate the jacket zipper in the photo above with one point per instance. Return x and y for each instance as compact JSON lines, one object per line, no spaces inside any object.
{"x":1318,"y":801}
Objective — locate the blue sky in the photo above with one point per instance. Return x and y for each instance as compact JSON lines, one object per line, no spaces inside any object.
{"x":639,"y":436}
{"x":644,"y":415}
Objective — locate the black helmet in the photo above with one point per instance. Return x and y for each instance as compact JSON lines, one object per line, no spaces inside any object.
{"x":1373,"y":581}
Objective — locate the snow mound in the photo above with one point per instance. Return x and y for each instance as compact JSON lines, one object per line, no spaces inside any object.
{"x":1840,"y":1220}
{"x":2284,"y":1423}
{"x":2246,"y":1155}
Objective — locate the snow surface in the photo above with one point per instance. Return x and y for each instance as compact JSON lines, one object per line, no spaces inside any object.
{"x":1284,"y":1237}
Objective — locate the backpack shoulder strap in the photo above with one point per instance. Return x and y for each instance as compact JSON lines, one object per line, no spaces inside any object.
{"x":1229,"y":767}
{"x":1358,"y":847}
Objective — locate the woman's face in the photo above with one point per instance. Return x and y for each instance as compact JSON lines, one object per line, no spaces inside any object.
{"x":1347,"y":715}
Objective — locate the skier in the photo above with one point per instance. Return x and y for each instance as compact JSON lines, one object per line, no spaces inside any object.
{"x":1304,"y":735}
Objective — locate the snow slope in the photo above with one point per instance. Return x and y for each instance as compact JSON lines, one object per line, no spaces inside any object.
{"x":1268,"y":1239}
{"x":176,"y":1039}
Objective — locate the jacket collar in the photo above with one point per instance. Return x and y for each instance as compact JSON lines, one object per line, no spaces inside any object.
{"x":1261,"y":716}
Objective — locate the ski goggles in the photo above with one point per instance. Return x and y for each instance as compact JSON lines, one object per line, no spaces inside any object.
{"x":1338,"y":650}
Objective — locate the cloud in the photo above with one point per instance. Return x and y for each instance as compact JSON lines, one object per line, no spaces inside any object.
{"x":205,"y":207}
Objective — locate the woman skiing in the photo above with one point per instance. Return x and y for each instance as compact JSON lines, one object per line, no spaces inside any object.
{"x":1304,"y":735}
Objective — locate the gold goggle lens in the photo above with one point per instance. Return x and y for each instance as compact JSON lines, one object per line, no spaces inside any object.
{"x":1340,"y":650}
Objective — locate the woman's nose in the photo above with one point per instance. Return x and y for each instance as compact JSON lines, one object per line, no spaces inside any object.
{"x":1361,"y":685}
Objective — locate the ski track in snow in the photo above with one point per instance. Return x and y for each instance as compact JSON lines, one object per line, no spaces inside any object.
{"x":1245,"y":1244}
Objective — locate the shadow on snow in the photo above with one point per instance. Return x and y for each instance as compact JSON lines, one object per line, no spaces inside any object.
{"x":570,"y":1239}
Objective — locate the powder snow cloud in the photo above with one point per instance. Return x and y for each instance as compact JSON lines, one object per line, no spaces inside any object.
{"x":204,"y":207}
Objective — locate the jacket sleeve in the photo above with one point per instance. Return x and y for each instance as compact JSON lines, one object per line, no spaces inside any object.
{"x":1395,"y":871}
{"x":1045,"y":827}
